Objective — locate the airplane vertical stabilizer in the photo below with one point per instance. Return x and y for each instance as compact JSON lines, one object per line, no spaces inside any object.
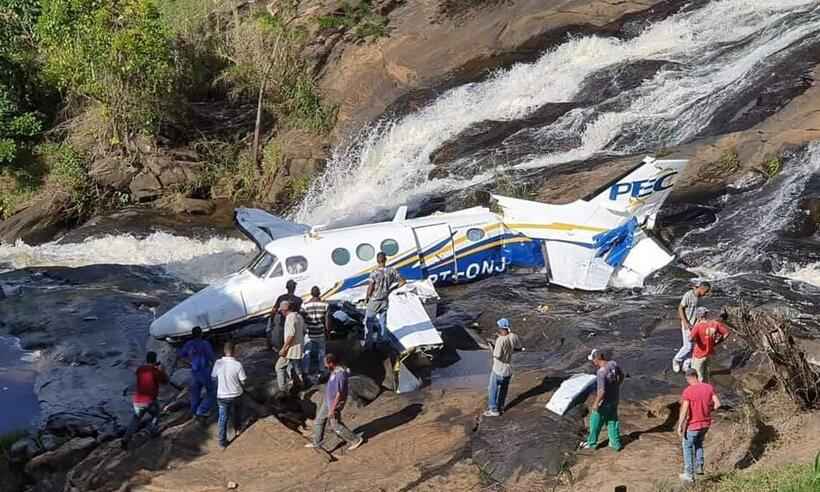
{"x":642,"y":192}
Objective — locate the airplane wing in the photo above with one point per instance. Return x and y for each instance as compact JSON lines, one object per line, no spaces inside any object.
{"x":262,"y":227}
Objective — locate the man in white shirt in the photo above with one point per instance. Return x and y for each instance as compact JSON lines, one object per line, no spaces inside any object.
{"x":289,"y":364}
{"x":230,"y":378}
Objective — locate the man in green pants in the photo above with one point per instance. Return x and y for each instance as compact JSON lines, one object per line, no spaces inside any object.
{"x":605,"y":407}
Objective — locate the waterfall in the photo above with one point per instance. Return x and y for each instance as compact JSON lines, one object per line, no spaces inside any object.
{"x":716,"y":49}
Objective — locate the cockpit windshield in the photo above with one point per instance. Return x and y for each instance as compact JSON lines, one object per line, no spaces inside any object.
{"x":263,"y":264}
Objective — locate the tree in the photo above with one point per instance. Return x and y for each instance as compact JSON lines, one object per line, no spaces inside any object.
{"x":116,"y":53}
{"x":20,"y":125}
{"x":263,"y":52}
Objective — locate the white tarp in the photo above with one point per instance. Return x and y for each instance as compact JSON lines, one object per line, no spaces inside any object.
{"x":569,"y":391}
{"x":408,"y":321}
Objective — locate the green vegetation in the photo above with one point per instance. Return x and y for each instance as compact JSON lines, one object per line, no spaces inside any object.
{"x":88,"y":80}
{"x":772,"y":166}
{"x":788,"y":478}
{"x":9,"y":438}
{"x":728,"y":163}
{"x":358,"y":18}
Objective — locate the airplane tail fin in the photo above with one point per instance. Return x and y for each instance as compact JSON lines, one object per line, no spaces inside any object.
{"x":642,"y":191}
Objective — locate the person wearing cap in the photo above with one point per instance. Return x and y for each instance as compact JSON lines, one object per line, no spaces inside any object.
{"x":605,"y":406}
{"x":276,"y":321}
{"x":697,"y":403}
{"x":686,"y":313}
{"x":706,"y":335}
{"x":506,"y":343}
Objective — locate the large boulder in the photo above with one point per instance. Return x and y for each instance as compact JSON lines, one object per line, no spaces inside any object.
{"x":38,"y":221}
{"x":112,"y":172}
{"x":145,"y":186}
{"x":61,"y":459}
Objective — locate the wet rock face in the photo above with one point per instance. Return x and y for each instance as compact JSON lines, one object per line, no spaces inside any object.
{"x":96,"y":323}
{"x":39,"y":221}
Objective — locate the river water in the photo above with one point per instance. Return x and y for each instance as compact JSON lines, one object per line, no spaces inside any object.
{"x":713,"y":55}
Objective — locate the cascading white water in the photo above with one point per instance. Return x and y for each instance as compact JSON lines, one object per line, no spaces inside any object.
{"x":738,"y":239}
{"x":192,"y":260}
{"x":389,"y":164}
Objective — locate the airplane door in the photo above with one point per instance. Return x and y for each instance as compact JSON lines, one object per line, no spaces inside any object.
{"x":437,"y":253}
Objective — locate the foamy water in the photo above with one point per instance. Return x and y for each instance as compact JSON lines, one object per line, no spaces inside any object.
{"x":738,"y":241}
{"x":717,"y":46}
{"x":809,"y":274}
{"x":193,"y":260}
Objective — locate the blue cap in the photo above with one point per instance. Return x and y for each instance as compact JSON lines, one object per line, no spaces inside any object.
{"x":503,"y":324}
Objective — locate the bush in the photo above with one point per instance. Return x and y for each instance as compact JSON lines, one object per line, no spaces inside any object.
{"x":772,"y":166}
{"x":20,"y":125}
{"x":68,"y":172}
{"x":789,"y":478}
{"x":116,"y":52}
{"x":357,"y":18}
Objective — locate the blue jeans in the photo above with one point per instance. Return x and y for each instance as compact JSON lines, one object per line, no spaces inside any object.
{"x":685,"y":351}
{"x":151,"y":409}
{"x":314,"y":356}
{"x":693,"y":451}
{"x":497,"y":392}
{"x":229,"y":409}
{"x":200,"y":406}
{"x":375,"y":325}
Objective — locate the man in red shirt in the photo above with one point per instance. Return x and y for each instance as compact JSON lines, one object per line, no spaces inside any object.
{"x":149,"y":377}
{"x":705,"y":335}
{"x":697,"y":402}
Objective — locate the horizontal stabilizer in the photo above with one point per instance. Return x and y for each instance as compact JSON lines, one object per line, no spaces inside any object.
{"x":262,"y":227}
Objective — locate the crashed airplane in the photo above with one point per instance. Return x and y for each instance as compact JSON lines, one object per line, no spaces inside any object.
{"x":587,"y":244}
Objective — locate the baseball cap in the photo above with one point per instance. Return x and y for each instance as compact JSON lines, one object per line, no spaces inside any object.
{"x":503,"y":324}
{"x":593,"y":354}
{"x":701,"y":311}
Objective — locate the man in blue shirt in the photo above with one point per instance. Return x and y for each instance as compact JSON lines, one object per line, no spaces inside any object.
{"x":200,"y":355}
{"x":332,"y":405}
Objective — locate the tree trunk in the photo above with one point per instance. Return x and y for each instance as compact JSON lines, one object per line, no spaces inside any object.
{"x":258,"y":127}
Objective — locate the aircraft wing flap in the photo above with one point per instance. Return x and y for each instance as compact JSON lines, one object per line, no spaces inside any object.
{"x":262,"y":227}
{"x":409,"y":322}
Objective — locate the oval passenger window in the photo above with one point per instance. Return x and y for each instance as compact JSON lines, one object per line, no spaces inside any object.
{"x":365,"y":252}
{"x":340,"y":256}
{"x":475,"y":234}
{"x":390,"y":247}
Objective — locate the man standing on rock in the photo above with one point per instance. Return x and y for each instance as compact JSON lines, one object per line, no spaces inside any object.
{"x":230,"y":379}
{"x":605,"y":407}
{"x":149,"y":377}
{"x":317,"y":325}
{"x":686,"y":313}
{"x":289,"y":364}
{"x":706,"y":335}
{"x":506,"y":343}
{"x":276,"y":322}
{"x":383,"y":280}
{"x":200,"y":355}
{"x":697,"y":402}
{"x":332,"y":405}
